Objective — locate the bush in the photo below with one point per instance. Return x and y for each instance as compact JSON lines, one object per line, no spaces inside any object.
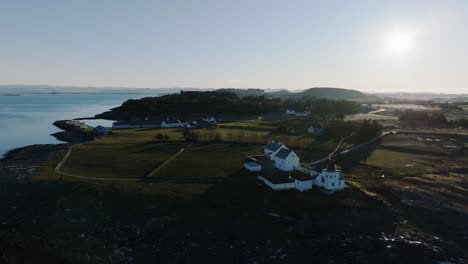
{"x":424,"y":118}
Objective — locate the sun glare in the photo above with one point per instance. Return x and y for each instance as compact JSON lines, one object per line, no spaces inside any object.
{"x":398,"y":42}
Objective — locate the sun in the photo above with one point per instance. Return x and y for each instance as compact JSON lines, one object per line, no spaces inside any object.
{"x":398,"y":42}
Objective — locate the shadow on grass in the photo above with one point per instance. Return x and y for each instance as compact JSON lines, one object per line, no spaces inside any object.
{"x":355,"y":158}
{"x":414,"y":151}
{"x":254,"y":129}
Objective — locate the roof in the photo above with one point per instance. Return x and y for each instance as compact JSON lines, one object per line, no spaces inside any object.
{"x":273,"y":146}
{"x":100,"y":128}
{"x":283,"y":153}
{"x":252,"y":164}
{"x":171,"y":121}
{"x":303,"y":178}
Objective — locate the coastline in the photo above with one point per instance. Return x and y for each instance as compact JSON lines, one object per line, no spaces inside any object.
{"x":20,"y":165}
{"x":22,"y":162}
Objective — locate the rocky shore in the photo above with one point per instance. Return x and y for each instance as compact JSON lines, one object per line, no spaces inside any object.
{"x":21,"y":163}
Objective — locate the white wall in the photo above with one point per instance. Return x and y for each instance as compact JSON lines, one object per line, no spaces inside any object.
{"x":256,"y":168}
{"x":278,"y":186}
{"x":288,"y":164}
{"x":331,"y":180}
{"x":303,"y":185}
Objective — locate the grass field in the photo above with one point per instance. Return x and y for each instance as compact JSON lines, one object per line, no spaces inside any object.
{"x":218,"y":160}
{"x":124,"y":154}
{"x":400,"y":161}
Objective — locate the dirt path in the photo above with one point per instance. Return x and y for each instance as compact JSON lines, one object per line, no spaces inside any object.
{"x":165,"y":163}
{"x":351,"y":148}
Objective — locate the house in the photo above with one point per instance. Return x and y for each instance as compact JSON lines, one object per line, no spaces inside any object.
{"x":210,"y":120}
{"x":286,"y":160}
{"x":315,"y":130}
{"x":171,"y":123}
{"x":272,"y":148}
{"x":100,"y":130}
{"x":252,"y":166}
{"x":331,"y":179}
{"x":290,"y":112}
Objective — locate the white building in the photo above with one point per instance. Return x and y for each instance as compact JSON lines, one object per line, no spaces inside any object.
{"x":210,"y":120}
{"x":303,"y":184}
{"x":252,"y":166}
{"x":315,"y":130}
{"x":331,"y":179}
{"x":272,"y":148}
{"x":286,"y":160}
{"x":172,"y":124}
{"x":290,"y":111}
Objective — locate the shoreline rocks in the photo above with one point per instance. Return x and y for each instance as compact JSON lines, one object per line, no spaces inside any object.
{"x":74,"y":131}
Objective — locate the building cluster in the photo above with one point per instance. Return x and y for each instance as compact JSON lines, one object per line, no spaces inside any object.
{"x":297,"y":113}
{"x":165,"y":123}
{"x":278,"y":159}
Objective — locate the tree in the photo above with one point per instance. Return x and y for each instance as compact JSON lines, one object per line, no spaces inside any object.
{"x":190,"y":136}
{"x":368,"y":130}
{"x":340,"y":116}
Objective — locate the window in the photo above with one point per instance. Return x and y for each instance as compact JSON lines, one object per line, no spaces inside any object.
{"x":333,"y":184}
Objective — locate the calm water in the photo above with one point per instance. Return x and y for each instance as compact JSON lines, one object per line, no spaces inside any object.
{"x":27,"y":119}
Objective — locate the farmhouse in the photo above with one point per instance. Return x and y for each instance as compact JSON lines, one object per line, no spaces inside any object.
{"x":172,"y":123}
{"x":331,"y":179}
{"x":286,"y":160}
{"x":210,"y":120}
{"x":272,"y":148}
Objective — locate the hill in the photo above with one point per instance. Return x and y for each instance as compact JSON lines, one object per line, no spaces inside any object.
{"x":317,"y":92}
{"x":224,"y":103}
{"x":332,"y":93}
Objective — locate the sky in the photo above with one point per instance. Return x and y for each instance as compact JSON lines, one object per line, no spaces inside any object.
{"x":373,"y":46}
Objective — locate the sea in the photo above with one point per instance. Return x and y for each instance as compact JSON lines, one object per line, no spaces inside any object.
{"x":27,"y":119}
